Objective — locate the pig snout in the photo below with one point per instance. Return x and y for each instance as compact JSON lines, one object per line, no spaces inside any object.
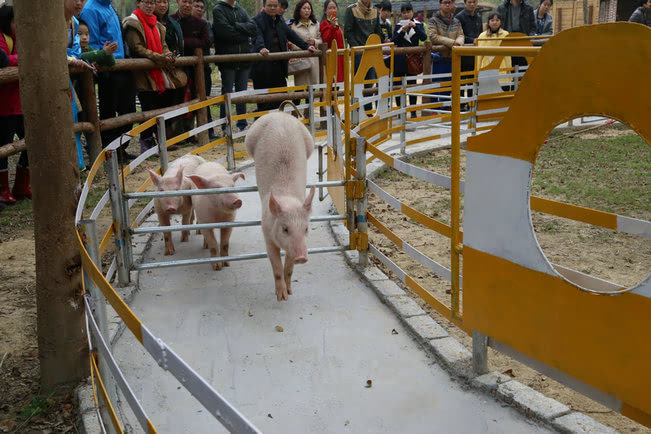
{"x":171,"y":209}
{"x":236,"y":204}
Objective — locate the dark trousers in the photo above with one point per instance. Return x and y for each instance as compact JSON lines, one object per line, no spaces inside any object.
{"x":413,"y":99}
{"x":152,"y":100}
{"x":467,"y":64}
{"x":370,"y":75}
{"x":268,"y":75}
{"x":117,"y":96}
{"x":11,"y":126}
{"x":238,"y":78}
{"x":442,"y":66}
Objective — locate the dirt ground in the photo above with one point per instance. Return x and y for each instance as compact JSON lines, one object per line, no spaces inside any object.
{"x":616,"y":257}
{"x":19,"y":369}
{"x":19,"y":364}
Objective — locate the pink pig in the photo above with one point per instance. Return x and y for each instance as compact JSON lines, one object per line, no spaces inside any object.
{"x":172,"y":180}
{"x":216,"y":208}
{"x":281,"y":145}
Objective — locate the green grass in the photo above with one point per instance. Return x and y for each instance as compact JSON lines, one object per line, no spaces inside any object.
{"x":608,"y":174}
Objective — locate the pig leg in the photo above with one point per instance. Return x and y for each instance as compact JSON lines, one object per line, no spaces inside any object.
{"x":209,"y":238}
{"x":224,"y":237}
{"x":187,"y":219}
{"x":164,"y":220}
{"x":277,"y":266}
{"x":289,"y":269}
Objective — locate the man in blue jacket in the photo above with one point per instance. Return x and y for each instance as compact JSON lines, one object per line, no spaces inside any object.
{"x":117,"y":92}
{"x":272,"y":37}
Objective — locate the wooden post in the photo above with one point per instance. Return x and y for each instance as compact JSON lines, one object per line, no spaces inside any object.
{"x":89,"y":103}
{"x":200,"y":88}
{"x":47,"y":109}
{"x":323,"y":60}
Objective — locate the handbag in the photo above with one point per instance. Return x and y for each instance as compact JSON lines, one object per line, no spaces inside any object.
{"x":298,"y":65}
{"x":414,"y":64}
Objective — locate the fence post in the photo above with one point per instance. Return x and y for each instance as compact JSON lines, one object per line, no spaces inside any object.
{"x":403,"y":117}
{"x":516,"y":71}
{"x":89,"y":102}
{"x":310,"y":93}
{"x":89,"y":230}
{"x":200,"y":87}
{"x":117,"y":208}
{"x":479,"y":353}
{"x":474,"y":104}
{"x":362,"y":227}
{"x":323,"y":58}
{"x":162,"y":144}
{"x":230,"y":153}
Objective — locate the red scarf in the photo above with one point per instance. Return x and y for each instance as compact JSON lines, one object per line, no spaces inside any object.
{"x":152,"y":37}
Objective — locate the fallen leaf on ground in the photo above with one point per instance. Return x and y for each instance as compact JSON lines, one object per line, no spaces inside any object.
{"x":269,"y":416}
{"x":509,"y":372}
{"x":279,"y":329}
{"x":250,"y":314}
{"x":394,"y":332}
{"x":369,"y":383}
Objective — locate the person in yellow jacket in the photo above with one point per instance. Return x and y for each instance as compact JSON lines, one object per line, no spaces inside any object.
{"x":493,"y":37}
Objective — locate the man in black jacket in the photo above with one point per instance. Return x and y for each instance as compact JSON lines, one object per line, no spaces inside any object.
{"x":517,"y":16}
{"x":272,"y":37}
{"x":472,"y":27}
{"x":232,"y":30}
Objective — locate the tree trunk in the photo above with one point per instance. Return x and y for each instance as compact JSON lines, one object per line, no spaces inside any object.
{"x":45,"y":97}
{"x":585,"y":12}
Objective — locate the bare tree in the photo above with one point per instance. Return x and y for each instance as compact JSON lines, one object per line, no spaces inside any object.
{"x":45,"y":96}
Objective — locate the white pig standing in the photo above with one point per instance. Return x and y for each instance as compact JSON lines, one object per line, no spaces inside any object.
{"x":175,"y":179}
{"x":281,"y":145}
{"x":215,"y":208}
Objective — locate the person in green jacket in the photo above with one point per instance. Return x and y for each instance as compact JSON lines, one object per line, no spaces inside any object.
{"x":103,"y":57}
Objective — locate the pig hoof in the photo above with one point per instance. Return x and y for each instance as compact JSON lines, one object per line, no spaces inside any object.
{"x":217,"y":266}
{"x":227,"y":264}
{"x":185,"y":239}
{"x":169,"y":251}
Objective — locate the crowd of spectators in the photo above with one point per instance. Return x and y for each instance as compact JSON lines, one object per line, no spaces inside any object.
{"x":97,"y":36}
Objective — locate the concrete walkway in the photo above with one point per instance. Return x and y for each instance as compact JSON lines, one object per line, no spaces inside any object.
{"x":312,"y":376}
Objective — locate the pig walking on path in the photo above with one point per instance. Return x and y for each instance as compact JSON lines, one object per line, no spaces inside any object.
{"x":280,"y":145}
{"x":216,"y":208}
{"x":175,"y":179}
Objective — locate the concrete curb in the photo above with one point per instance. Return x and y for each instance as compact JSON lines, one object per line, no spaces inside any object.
{"x":449,"y":352}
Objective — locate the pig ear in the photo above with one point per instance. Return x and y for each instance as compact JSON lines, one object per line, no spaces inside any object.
{"x":274,"y":206}
{"x":199,"y":181}
{"x":307,"y":205}
{"x":155,"y":177}
{"x":238,"y":175}
{"x":179,"y":174}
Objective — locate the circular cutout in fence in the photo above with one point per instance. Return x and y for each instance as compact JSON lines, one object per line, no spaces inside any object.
{"x":605,"y":168}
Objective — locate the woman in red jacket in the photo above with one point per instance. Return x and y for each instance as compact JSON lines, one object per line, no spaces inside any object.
{"x":11,"y":115}
{"x":330,"y":30}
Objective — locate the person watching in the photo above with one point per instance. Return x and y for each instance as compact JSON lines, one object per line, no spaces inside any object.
{"x":232,"y":32}
{"x":305,"y":25}
{"x":385,"y":22}
{"x":271,"y":37}
{"x":116,"y":91}
{"x":640,"y":14}
{"x":544,"y":20}
{"x":408,"y":33}
{"x":331,"y":30}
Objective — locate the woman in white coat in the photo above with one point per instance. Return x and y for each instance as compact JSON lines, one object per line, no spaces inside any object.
{"x":306,"y":26}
